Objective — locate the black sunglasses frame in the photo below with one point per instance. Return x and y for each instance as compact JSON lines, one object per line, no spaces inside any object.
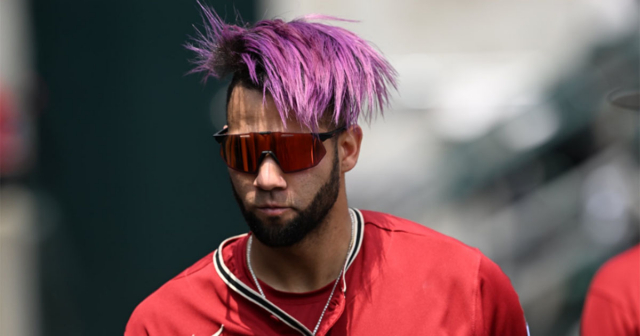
{"x":220,"y":135}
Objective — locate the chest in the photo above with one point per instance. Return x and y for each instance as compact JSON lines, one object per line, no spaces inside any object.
{"x":419,"y":306}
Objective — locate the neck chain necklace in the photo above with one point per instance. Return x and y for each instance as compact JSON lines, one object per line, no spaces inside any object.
{"x":255,"y":279}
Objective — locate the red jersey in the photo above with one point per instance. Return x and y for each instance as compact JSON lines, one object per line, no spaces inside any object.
{"x":401,"y":279}
{"x":612,"y":306}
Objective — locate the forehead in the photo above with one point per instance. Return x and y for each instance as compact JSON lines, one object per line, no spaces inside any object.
{"x":247,"y":111}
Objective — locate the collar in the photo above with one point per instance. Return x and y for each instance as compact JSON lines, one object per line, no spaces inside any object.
{"x":241,"y":288}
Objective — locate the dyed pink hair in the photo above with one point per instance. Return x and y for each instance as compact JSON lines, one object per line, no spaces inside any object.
{"x":307,"y":67}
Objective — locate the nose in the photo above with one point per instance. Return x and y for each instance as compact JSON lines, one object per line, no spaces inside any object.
{"x":270,"y":176}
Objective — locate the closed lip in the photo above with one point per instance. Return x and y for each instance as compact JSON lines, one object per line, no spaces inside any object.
{"x":273,"y":209}
{"x":271,"y":206}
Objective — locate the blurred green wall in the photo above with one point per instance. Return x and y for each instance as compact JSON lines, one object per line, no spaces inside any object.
{"x":136,"y":191}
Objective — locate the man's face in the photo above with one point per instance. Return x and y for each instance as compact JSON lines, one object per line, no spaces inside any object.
{"x":280,"y":209}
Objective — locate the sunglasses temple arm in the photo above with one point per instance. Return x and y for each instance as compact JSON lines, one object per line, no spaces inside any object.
{"x":329,"y":135}
{"x":220,"y":135}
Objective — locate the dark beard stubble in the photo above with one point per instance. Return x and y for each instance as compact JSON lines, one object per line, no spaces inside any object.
{"x":274,"y":234}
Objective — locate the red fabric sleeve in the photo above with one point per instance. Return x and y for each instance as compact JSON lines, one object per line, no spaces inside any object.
{"x":602,"y":316}
{"x":498,"y":310}
{"x":612,"y":306}
{"x":135,"y":327}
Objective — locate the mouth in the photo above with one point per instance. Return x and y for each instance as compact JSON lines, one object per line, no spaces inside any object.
{"x":273,"y":210}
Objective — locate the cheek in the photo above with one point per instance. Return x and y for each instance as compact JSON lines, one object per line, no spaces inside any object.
{"x":305,"y":184}
{"x":242,"y":183}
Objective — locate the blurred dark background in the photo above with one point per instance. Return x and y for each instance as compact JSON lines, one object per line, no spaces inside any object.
{"x":126,"y":157}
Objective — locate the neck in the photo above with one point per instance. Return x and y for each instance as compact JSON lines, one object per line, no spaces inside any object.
{"x":310,"y":264}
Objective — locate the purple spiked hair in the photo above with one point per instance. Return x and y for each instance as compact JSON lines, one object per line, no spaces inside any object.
{"x":307,"y":67}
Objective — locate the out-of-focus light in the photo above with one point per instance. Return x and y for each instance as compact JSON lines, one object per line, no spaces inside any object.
{"x":417,"y":74}
{"x":475,"y":92}
{"x":13,"y":141}
{"x":464,"y":125}
{"x":530,"y":130}
{"x":613,"y":17}
{"x":605,"y":206}
{"x":611,"y":229}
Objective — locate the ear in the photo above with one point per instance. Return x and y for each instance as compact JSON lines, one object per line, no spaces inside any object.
{"x":349,"y":147}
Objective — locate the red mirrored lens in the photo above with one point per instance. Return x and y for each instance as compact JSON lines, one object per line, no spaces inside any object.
{"x":239,"y":152}
{"x":293,"y":151}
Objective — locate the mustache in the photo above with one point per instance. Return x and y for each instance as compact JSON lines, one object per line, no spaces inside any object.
{"x":269,"y":200}
{"x":258,"y":205}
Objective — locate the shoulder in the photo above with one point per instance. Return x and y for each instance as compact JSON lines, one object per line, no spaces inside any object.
{"x":613,"y":301}
{"x":619,"y":269}
{"x":460,"y":275}
{"x":403,"y":244}
{"x":619,"y":278}
{"x":414,"y":240}
{"x":415,"y":237}
{"x":175,"y":291}
{"x":183,"y":299}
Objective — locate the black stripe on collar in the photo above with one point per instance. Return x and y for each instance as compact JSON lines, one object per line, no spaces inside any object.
{"x":242,"y":289}
{"x":359,"y":236}
{"x":239,"y":287}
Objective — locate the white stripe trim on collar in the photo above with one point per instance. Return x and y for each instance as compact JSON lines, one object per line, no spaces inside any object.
{"x":241,"y":288}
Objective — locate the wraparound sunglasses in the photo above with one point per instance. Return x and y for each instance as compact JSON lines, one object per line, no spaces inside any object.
{"x":292,"y":151}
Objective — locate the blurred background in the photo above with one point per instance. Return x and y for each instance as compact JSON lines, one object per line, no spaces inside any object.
{"x":518,"y":134}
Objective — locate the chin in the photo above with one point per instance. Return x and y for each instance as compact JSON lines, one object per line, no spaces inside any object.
{"x":279,"y":220}
{"x":292,"y":225}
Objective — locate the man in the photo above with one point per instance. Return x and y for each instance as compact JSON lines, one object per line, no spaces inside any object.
{"x":311,"y":265}
{"x":612,"y":306}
